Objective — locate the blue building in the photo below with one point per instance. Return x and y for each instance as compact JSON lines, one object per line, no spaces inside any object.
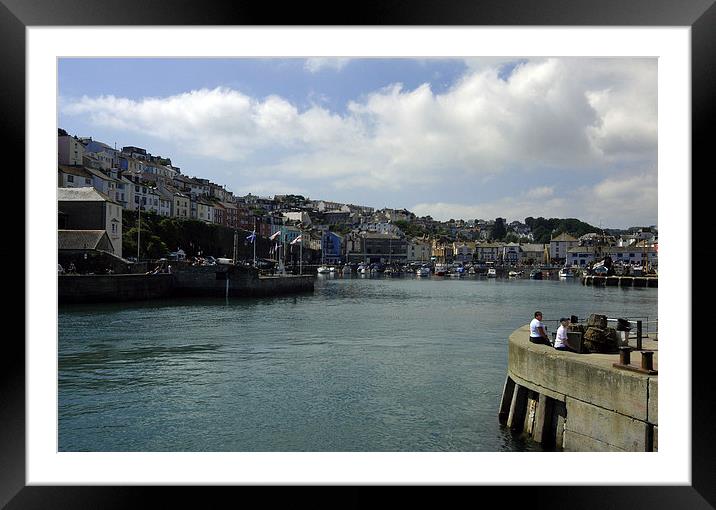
{"x":332,"y":246}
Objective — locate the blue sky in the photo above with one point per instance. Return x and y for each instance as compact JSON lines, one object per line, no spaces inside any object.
{"x":453,"y":138}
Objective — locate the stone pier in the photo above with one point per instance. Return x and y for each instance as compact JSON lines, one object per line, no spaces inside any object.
{"x":581,"y":402}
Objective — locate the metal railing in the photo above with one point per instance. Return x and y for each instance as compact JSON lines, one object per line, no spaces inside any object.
{"x":641,"y":327}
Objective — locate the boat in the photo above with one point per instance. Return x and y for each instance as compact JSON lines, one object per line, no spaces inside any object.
{"x":363,"y":269}
{"x":440,"y":269}
{"x":323,"y":269}
{"x":331,"y":269}
{"x":422,"y":271}
{"x":492,"y":273}
{"x":514,"y":274}
{"x":566,"y":272}
{"x":536,"y":274}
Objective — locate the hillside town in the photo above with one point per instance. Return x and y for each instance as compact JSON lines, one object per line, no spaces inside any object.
{"x":98,"y":183}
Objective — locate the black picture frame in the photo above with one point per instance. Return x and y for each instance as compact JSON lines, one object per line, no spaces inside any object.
{"x":700,"y":15}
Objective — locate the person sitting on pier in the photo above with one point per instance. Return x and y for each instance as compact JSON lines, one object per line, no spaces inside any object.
{"x":561,"y":341}
{"x":538,"y":331}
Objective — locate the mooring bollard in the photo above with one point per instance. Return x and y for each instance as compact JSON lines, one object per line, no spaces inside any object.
{"x":647,"y":360}
{"x":625,"y":355}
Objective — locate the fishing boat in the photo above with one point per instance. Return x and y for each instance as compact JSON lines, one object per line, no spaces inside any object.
{"x":492,"y":273}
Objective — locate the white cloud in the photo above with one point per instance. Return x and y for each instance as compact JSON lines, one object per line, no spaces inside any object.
{"x":317,"y":64}
{"x":624,"y":201}
{"x":270,"y":188}
{"x":573,"y":115}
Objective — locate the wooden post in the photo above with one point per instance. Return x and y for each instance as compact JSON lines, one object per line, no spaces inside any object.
{"x":543,"y":419}
{"x":638,"y":335}
{"x":507,"y":392}
{"x":516,"y":418}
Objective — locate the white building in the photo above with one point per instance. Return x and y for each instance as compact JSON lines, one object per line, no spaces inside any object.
{"x":560,"y":245}
{"x":69,"y":150}
{"x":419,"y":250}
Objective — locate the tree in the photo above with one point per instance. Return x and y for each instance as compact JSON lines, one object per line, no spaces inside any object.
{"x":499,"y":231}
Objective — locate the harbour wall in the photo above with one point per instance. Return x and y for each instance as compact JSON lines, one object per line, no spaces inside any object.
{"x":185,"y":281}
{"x":236,"y":281}
{"x":577,"y":402}
{"x":116,"y":287}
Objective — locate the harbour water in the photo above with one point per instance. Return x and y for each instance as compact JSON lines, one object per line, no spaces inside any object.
{"x":362,"y":364}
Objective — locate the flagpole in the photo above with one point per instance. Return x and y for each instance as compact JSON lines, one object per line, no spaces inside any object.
{"x":300,"y":262}
{"x":254,"y":241}
{"x":236,"y":233}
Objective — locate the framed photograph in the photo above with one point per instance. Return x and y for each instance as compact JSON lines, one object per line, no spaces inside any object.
{"x":310,"y":84}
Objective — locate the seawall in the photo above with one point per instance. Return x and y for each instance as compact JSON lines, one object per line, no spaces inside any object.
{"x":115,"y":287}
{"x":579,"y":402}
{"x":184,"y":281}
{"x":236,"y":281}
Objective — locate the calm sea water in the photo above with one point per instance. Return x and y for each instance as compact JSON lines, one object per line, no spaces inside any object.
{"x":362,"y":364}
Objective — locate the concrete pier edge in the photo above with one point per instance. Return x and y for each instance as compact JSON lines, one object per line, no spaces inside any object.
{"x":578,"y":402}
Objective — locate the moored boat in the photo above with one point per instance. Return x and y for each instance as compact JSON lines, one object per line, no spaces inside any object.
{"x":566,"y":272}
{"x":440,"y":269}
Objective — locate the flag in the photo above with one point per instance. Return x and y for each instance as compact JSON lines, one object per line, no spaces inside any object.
{"x":297,"y":240}
{"x":274,"y":236}
{"x":252,"y":236}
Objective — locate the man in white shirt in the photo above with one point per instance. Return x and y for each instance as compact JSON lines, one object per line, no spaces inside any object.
{"x":561,"y":342}
{"x":538,"y":331}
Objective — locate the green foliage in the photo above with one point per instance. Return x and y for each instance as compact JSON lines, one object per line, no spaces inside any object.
{"x":411,"y":229}
{"x":544,"y":229}
{"x":160,"y":235}
{"x":340,"y":229}
{"x":499,"y":230}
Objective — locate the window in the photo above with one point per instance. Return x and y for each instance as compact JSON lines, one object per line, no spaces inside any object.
{"x":88,"y":181}
{"x":70,"y":178}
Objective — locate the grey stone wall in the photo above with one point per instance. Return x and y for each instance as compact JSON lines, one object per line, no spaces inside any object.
{"x":118,"y":287}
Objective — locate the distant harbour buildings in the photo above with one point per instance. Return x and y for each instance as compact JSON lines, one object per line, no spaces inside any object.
{"x":104,"y":181}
